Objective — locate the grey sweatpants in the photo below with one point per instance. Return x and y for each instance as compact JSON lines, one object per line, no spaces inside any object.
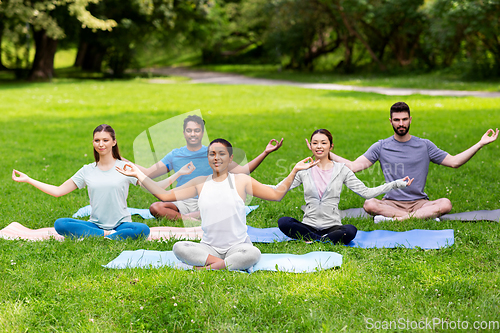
{"x":238,"y":257}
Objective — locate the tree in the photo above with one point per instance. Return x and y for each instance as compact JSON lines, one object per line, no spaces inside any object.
{"x":44,"y":17}
{"x":47,"y":31}
{"x":14,"y":27}
{"x":394,"y":27}
{"x":305,"y":31}
{"x":467,"y":30}
{"x":290,"y":31}
{"x":138,"y":22}
{"x":2,"y":29}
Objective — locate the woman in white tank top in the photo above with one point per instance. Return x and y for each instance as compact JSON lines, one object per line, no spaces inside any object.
{"x":225,"y":242}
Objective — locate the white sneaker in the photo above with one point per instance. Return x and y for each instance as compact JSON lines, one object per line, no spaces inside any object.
{"x":437,"y":219}
{"x":381,"y":218}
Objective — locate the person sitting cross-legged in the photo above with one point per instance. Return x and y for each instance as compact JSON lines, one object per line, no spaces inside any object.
{"x":225,"y":242}
{"x":401,"y":154}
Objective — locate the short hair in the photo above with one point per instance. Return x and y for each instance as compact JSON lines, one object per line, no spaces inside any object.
{"x":400,"y":107}
{"x":223,"y":142}
{"x":196,"y":119}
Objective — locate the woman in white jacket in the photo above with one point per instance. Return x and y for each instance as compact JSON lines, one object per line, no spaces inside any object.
{"x":322,"y":187}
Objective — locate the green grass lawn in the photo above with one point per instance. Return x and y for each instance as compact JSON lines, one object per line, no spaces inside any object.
{"x":61,"y":286}
{"x":434,"y":80}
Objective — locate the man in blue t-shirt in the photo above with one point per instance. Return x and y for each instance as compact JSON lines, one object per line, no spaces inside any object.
{"x":194,"y":151}
{"x":405,"y":155}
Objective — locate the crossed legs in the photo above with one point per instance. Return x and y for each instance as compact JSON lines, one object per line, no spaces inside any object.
{"x":202,"y":256}
{"x":176,"y":210}
{"x":298,"y":230}
{"x":165,"y":209}
{"x":421,"y":209}
{"x":69,"y":227}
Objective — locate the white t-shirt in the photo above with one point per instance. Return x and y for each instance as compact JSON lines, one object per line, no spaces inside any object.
{"x":108,"y":191}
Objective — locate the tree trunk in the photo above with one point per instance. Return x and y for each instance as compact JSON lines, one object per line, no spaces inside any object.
{"x":43,"y":64}
{"x":2,"y":66}
{"x":80,"y":55}
{"x":352,"y":30}
{"x":94,"y":55}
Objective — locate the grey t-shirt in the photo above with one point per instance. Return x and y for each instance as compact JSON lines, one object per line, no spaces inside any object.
{"x":108,"y":191}
{"x":400,"y":159}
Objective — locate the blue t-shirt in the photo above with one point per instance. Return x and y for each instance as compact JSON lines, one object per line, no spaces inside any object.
{"x":179,"y":157}
{"x":400,"y":159}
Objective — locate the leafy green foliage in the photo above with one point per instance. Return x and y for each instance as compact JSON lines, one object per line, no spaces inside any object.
{"x":381,"y":34}
{"x":156,"y":24}
{"x":467,"y":31}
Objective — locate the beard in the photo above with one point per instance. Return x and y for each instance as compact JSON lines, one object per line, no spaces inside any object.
{"x":401,"y":130}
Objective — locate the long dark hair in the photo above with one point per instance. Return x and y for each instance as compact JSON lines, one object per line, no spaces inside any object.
{"x":111,"y":131}
{"x":328,"y":135}
{"x":225,"y":143}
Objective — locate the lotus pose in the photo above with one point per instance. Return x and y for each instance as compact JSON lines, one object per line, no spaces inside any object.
{"x":405,"y":154}
{"x":108,"y":191}
{"x":322,"y":187}
{"x":222,"y":195}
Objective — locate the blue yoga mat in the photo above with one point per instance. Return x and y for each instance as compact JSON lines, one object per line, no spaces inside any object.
{"x":425,"y":239}
{"x":266,"y":235}
{"x":305,"y":263}
{"x":144,"y":213}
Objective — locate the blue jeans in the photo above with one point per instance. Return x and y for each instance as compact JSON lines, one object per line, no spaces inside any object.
{"x":69,"y":227}
{"x":298,"y":230}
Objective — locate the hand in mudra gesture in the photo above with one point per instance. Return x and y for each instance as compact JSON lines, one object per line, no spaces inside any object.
{"x":306,"y":163}
{"x":129,"y":170}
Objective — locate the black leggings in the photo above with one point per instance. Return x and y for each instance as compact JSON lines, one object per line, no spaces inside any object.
{"x":298,"y":230}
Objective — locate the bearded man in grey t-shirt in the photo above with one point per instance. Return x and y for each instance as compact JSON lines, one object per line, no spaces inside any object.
{"x":405,"y":155}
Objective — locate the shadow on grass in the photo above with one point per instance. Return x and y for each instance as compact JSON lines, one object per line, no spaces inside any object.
{"x":73,"y":74}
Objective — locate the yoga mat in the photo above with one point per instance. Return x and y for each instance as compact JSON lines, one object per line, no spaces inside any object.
{"x":425,"y":239}
{"x":144,"y":213}
{"x":306,"y":263}
{"x":477,"y":215}
{"x":266,"y":235}
{"x":166,"y":233}
{"x":18,"y":231}
{"x":351,"y":212}
{"x":354,"y":212}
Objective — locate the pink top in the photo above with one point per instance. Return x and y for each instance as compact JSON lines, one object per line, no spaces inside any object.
{"x":321,"y":178}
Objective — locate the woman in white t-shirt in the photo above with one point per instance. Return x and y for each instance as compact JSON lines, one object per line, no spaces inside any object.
{"x":108,"y":191}
{"x":322,"y":188}
{"x":222,"y":195}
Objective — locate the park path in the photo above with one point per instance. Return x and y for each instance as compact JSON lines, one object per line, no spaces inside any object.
{"x":202,"y":76}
